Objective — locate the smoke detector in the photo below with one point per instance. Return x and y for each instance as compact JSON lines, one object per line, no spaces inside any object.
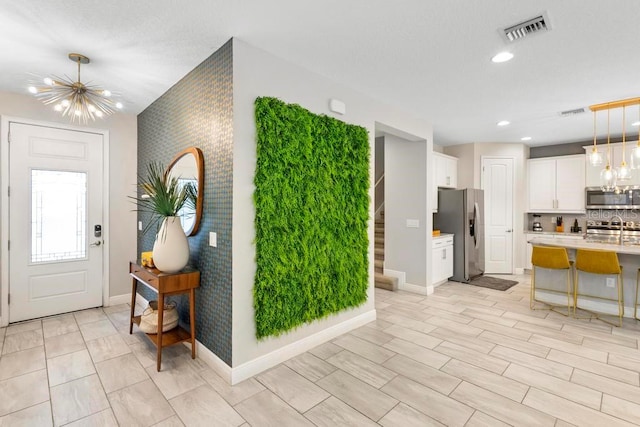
{"x":539,"y":24}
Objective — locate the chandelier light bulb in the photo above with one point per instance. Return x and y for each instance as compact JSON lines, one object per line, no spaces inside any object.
{"x":48,"y":81}
{"x":106,"y":93}
{"x":119,"y":105}
{"x":57,"y":107}
{"x":33,"y":90}
{"x":624,"y":172}
{"x":99,"y":113}
{"x":608,"y":178}
{"x":596,"y":157}
{"x":65,"y":103}
{"x":91,"y":108}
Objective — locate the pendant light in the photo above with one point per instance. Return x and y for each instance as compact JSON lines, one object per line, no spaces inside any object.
{"x":624,"y":171}
{"x":595,"y":158}
{"x":635,"y":153}
{"x":608,"y":175}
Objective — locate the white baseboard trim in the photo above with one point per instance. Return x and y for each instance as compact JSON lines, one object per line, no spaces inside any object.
{"x":119,"y":299}
{"x":416,"y":289}
{"x":209,"y":357}
{"x":262,"y":363}
{"x":400,"y":275}
{"x":519,"y":270}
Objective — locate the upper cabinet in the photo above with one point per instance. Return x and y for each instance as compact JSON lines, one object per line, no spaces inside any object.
{"x":556,"y":184}
{"x":593,"y":172}
{"x":445,"y":173}
{"x":446,"y":170}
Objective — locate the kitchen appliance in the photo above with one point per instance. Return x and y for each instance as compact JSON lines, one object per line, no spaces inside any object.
{"x":596,"y":198}
{"x":537,"y":226}
{"x":461,"y":212}
{"x":611,"y":231}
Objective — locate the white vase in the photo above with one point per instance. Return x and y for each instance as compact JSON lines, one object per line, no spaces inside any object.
{"x":171,"y":248}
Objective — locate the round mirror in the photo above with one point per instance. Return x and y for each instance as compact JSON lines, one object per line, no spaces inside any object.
{"x":188,"y":167}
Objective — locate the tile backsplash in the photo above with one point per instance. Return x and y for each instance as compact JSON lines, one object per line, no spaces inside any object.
{"x":548,"y":220}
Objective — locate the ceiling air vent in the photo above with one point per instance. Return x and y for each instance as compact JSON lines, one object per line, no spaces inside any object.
{"x":539,"y":24}
{"x":572,"y":112}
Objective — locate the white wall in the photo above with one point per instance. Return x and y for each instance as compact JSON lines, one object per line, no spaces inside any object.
{"x":122,"y":179}
{"x":258,"y":73}
{"x":406,"y":198}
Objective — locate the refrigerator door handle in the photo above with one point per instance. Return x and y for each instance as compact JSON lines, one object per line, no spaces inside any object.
{"x":476,"y":220}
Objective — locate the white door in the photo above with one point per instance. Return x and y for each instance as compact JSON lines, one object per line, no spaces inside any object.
{"x":497,"y":184}
{"x":55,"y":209}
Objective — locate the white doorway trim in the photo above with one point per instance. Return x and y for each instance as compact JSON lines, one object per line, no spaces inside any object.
{"x":483,"y":159}
{"x":4,"y":206}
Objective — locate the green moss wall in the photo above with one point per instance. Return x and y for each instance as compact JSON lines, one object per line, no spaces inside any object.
{"x":312,"y":208}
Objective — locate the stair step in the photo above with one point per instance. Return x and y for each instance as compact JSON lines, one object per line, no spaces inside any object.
{"x":379,"y":240}
{"x":379,"y":230}
{"x":379,"y":221}
{"x":378,"y":263}
{"x":386,"y":282}
{"x":379,"y":253}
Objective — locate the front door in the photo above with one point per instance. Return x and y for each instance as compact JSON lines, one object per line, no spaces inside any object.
{"x":497,"y":182}
{"x":55,"y":220}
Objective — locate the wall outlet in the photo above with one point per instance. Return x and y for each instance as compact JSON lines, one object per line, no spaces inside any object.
{"x":611,"y":282}
{"x":213,"y":239}
{"x":140,"y":225}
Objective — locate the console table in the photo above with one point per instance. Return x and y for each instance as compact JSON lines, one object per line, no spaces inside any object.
{"x":166,"y":284}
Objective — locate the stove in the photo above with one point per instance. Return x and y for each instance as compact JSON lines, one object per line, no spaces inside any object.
{"x":609,"y":231}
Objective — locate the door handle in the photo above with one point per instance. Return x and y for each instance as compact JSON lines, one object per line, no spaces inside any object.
{"x":96,"y":243}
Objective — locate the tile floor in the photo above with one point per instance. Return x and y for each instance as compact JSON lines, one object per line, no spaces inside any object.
{"x":464,"y":356}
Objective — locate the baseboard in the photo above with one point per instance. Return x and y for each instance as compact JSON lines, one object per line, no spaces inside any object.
{"x":519,"y":270}
{"x":416,"y":289}
{"x":210,"y":358}
{"x":400,"y":275}
{"x":262,"y":363}
{"x":119,"y":299}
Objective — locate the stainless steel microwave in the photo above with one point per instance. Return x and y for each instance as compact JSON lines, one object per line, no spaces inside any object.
{"x":596,"y":198}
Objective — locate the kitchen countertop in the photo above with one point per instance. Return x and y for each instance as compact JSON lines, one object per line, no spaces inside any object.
{"x":579,"y":243}
{"x":555,"y":233}
{"x":442,"y":236}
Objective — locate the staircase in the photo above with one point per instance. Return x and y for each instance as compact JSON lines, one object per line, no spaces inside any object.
{"x":382,"y":281}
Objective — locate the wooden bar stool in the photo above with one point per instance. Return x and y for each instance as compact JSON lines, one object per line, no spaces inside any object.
{"x":599,"y":262}
{"x":553,"y":259}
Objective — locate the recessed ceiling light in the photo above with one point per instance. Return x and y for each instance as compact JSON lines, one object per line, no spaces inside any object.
{"x":525,"y":138}
{"x":635,"y":123}
{"x":502,"y":57}
{"x":503,"y":123}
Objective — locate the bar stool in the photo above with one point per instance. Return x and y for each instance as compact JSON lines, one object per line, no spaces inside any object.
{"x":599,"y":262}
{"x":554,"y":259}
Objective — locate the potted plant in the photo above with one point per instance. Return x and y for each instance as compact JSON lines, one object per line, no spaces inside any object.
{"x":163,"y":197}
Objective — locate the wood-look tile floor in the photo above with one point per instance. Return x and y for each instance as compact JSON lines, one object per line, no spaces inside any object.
{"x":464,"y":356}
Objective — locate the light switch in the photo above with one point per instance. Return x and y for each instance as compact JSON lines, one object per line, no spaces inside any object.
{"x":413,"y":223}
{"x":140,"y":225}
{"x":213,"y":239}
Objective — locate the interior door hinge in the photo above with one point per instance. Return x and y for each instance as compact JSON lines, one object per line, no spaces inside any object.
{"x":8,"y":191}
{"x":9,"y":299}
{"x":8,"y":136}
{"x":8,"y":245}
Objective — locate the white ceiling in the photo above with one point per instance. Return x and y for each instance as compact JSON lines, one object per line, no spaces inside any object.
{"x":430,"y":57}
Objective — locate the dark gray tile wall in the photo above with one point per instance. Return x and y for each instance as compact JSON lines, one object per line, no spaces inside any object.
{"x":198,"y":111}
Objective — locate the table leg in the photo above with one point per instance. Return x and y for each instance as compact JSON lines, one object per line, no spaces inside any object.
{"x":192,"y":320}
{"x":134,"y":290}
{"x":160,"y":319}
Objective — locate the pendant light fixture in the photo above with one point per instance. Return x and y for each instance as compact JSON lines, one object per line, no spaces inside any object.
{"x":595,"y":158}
{"x":75,"y":99}
{"x":624,"y":171}
{"x":635,"y":153}
{"x":608,"y":175}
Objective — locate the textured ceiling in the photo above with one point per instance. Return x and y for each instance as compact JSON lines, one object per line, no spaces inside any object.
{"x":431,"y":58}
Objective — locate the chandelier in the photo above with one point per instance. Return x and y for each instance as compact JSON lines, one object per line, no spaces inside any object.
{"x":615,"y":179}
{"x":77,"y":100}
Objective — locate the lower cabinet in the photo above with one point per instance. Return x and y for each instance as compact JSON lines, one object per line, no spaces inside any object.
{"x":442,"y":259}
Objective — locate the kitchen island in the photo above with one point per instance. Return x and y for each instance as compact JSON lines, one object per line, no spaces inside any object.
{"x":629,"y":257}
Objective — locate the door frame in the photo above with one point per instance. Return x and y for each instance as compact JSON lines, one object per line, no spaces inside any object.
{"x":4,"y":205}
{"x":513,"y":202}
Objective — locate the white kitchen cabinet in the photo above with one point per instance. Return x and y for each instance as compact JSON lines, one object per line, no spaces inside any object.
{"x":442,"y":259}
{"x":445,"y":175}
{"x":592,"y":173}
{"x":556,"y":184}
{"x":446,"y":170}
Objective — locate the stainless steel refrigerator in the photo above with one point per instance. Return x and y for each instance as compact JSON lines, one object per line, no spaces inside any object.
{"x":461,"y":212}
